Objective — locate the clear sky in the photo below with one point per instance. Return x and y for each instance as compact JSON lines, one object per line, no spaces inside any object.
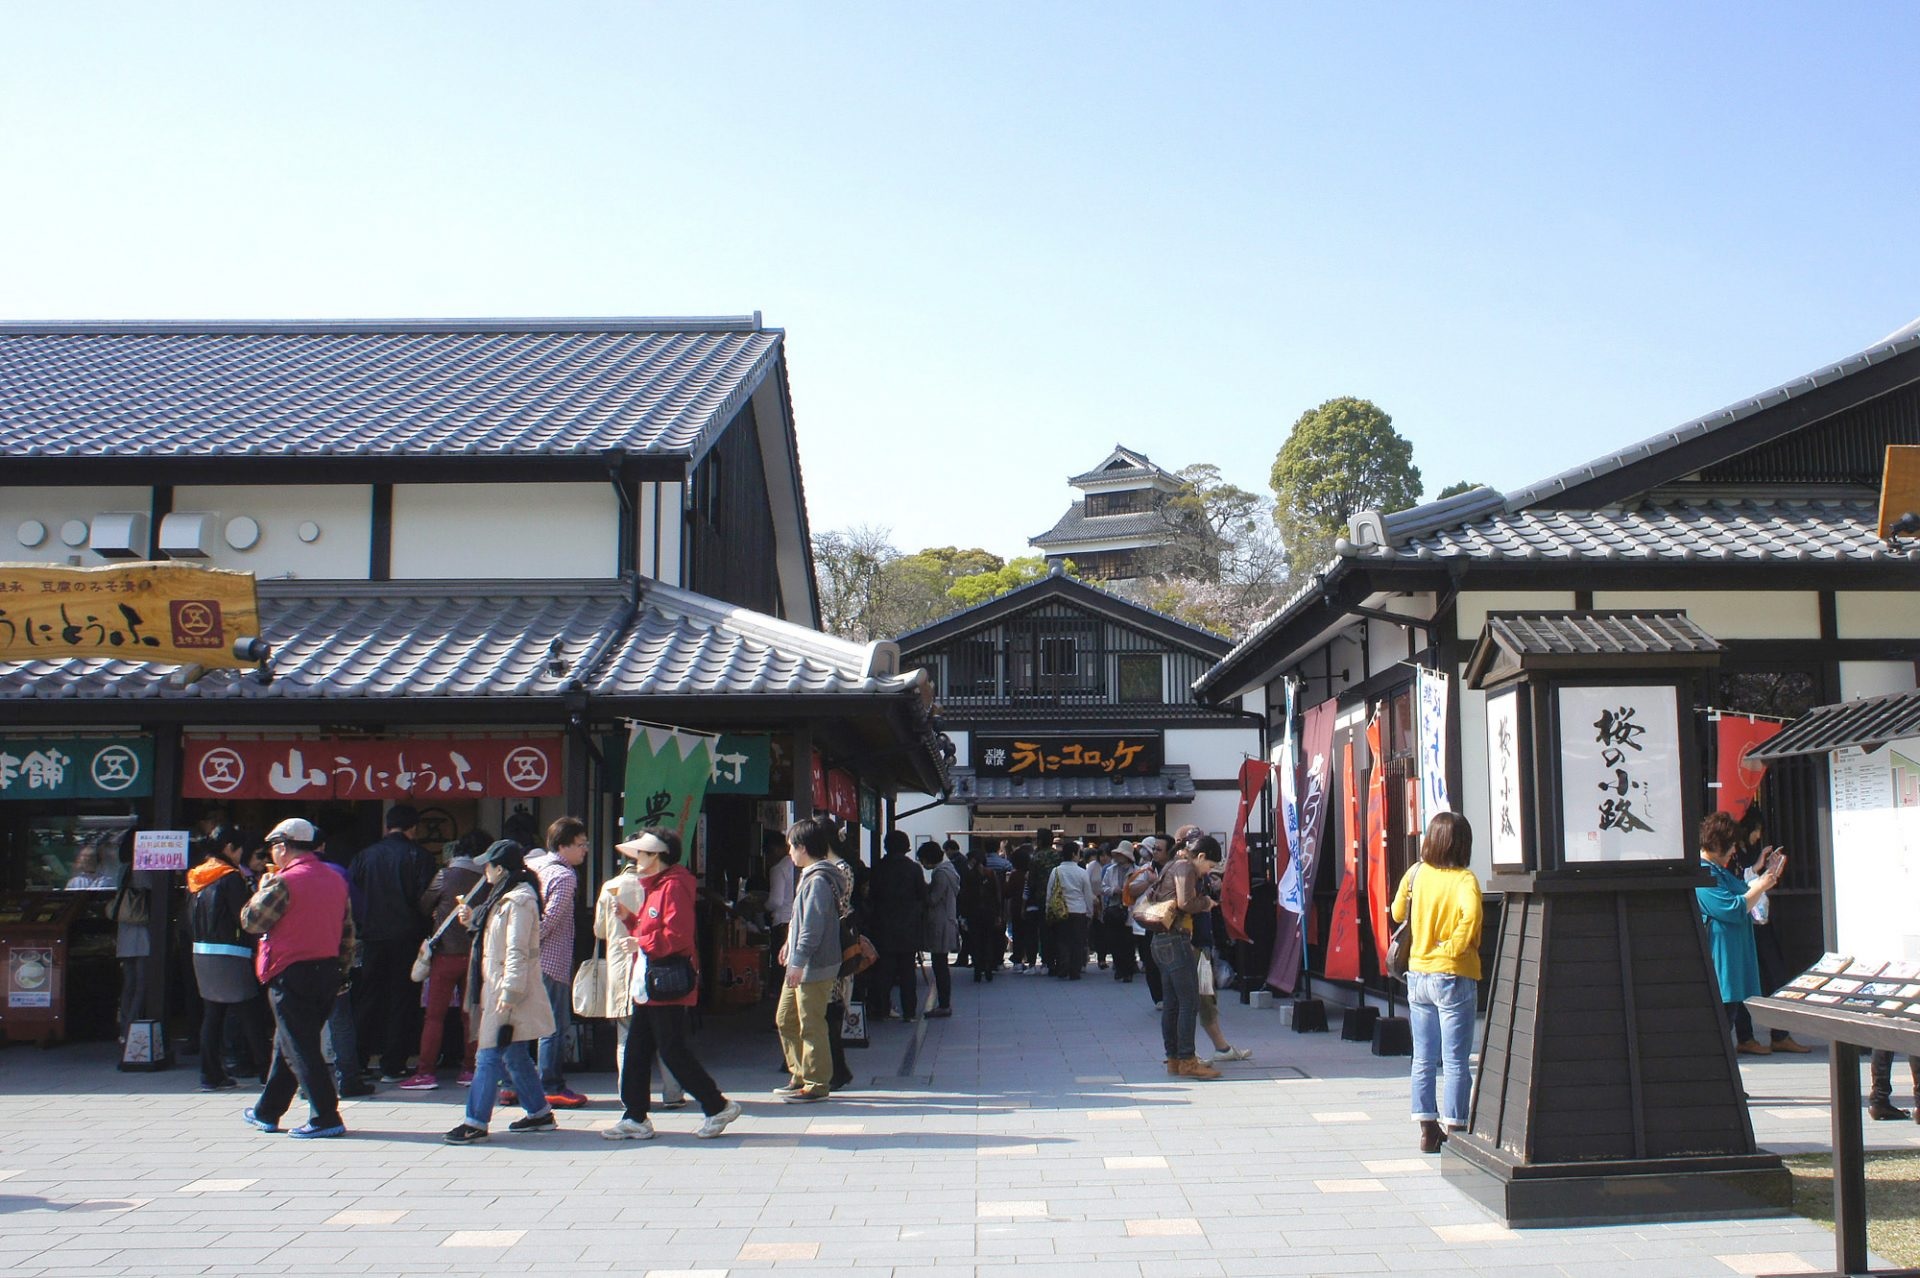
{"x":1004,"y":237}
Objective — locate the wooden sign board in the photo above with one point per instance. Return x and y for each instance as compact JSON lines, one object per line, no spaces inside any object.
{"x":1899,"y":485}
{"x":165,"y":613}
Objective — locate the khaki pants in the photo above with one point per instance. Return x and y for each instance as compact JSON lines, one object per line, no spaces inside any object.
{"x":801,"y":1019}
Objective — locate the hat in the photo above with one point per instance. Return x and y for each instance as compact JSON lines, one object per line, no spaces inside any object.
{"x":402,"y":817}
{"x":645,"y":841}
{"x":293,"y":830}
{"x":506,"y":852}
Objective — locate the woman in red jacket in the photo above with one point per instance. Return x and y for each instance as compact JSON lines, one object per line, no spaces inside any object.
{"x":663,"y":929}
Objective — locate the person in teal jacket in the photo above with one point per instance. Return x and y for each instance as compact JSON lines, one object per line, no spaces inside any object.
{"x":1726,"y":904}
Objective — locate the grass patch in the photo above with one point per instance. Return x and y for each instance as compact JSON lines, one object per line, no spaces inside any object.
{"x":1893,"y":1199}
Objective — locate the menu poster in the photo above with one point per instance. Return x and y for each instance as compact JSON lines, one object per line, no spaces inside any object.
{"x":160,"y":849}
{"x":1865,"y":985}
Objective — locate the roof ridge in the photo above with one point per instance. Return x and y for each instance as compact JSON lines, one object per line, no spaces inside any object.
{"x":470,"y":324}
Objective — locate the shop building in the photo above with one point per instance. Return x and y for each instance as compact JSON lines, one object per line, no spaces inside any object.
{"x":1759,"y":522}
{"x":1071,"y":709}
{"x":483,"y":548}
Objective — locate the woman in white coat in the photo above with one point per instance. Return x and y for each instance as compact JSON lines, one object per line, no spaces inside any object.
{"x":506,"y":999}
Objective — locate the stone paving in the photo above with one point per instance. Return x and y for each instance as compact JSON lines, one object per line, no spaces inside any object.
{"x":1034,"y":1133}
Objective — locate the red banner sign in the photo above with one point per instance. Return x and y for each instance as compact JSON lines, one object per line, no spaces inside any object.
{"x":843,"y":795}
{"x":215,"y":768}
{"x":1739,"y":777}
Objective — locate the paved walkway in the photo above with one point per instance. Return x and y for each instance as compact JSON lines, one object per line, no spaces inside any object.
{"x":1034,"y":1133}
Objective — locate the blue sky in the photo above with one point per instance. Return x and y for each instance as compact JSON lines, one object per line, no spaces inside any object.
{"x":1003,"y":238}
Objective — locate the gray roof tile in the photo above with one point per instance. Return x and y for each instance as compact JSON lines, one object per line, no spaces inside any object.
{"x":1870,"y":721}
{"x":379,"y":388}
{"x":1078,"y":526}
{"x":453,"y":640}
{"x":1638,"y":634}
{"x":1175,"y":782}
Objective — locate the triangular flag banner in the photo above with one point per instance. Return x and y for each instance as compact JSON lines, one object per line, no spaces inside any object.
{"x":1378,"y":901}
{"x":1343,"y":937}
{"x":667,"y":775}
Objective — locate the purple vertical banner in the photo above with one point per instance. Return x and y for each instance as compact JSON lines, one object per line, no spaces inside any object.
{"x":1314,"y":780}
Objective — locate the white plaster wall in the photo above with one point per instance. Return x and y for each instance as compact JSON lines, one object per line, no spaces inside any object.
{"x":1730,"y":614}
{"x":344,"y":513}
{"x":1473,"y":606}
{"x":1213,"y":753}
{"x":962,"y":747}
{"x":935,"y":823}
{"x":1877,"y":614}
{"x":1472,"y":801}
{"x":54,"y":507}
{"x":532,"y":530}
{"x":660,"y":508}
{"x":1211,"y":810}
{"x":1873,"y":678}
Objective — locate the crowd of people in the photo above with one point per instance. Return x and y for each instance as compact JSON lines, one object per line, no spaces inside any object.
{"x":325,"y":975}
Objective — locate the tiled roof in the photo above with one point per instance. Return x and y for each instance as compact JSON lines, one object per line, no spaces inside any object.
{"x":1710,"y":531}
{"x":1077,"y":526}
{"x":1637,"y":634}
{"x":453,"y":640}
{"x":1138,"y":466}
{"x":684,"y":644}
{"x":1870,"y":721}
{"x":1898,"y":343}
{"x":1173,"y":784}
{"x":376,"y":388}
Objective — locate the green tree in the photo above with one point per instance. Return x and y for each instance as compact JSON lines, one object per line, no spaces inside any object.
{"x":979,"y":587}
{"x":1454,"y":490}
{"x":850,"y":567}
{"x":1205,"y":520}
{"x":1341,"y":458}
{"x":914,"y":587}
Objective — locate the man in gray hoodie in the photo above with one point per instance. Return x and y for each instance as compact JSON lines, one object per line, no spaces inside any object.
{"x":811,"y":957}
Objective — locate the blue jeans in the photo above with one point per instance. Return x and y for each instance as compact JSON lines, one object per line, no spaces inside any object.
{"x":1441,"y":1009}
{"x":1179,"y":967}
{"x":490,"y":1066}
{"x":345,"y":1037}
{"x":553,"y":1048}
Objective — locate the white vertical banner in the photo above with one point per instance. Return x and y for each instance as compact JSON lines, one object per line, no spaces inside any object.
{"x":1508,"y":830}
{"x":1432,"y":697}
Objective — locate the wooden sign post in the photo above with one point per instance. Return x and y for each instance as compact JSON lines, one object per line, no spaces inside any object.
{"x":1608,"y":1089}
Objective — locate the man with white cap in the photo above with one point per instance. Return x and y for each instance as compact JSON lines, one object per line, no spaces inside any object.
{"x":307,"y":943}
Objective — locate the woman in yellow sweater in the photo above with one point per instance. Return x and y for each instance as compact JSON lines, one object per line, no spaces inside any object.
{"x":1444,"y":900}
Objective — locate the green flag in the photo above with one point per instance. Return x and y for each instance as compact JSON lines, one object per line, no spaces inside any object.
{"x":667,"y":774}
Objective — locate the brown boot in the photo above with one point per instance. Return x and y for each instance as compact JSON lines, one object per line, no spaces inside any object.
{"x":1753,"y":1048}
{"x":1173,"y":1066}
{"x":1194,"y":1067}
{"x":1431,"y":1137}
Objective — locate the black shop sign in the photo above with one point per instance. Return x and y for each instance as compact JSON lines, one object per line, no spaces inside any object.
{"x":1075,"y":755}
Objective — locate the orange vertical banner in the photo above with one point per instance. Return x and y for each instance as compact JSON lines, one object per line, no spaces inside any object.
{"x":1343,"y":936}
{"x":1378,"y":902}
{"x":1236,"y":881}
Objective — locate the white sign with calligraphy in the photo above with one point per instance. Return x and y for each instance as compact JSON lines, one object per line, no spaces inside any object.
{"x":1506,"y":833}
{"x":1620,"y":774}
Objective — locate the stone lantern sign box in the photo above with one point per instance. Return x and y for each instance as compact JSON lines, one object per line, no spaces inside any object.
{"x":1608,"y":1089}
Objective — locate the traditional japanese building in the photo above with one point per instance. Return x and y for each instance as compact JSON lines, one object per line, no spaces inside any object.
{"x":1758,"y":522}
{"x":483,"y":547}
{"x":1119,"y":519}
{"x":1071,"y":709}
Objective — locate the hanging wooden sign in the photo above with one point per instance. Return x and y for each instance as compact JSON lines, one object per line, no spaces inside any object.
{"x":169,"y":614}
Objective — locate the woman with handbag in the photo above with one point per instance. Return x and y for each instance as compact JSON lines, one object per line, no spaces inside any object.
{"x":1439,"y":899}
{"x":621,"y":895}
{"x":665,"y":984}
{"x":447,"y":958}
{"x":506,"y":994}
{"x":132,"y":943}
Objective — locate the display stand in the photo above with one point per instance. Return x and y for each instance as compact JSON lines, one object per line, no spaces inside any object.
{"x":1852,"y":1003}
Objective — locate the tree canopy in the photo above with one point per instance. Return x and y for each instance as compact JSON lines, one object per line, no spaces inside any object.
{"x":1341,"y":458}
{"x":869,"y":590}
{"x":1455,"y":489}
{"x":982,"y":586}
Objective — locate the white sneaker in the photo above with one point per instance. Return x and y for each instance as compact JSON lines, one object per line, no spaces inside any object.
{"x":716,"y":1124}
{"x":1234,"y":1054}
{"x":627,"y":1129}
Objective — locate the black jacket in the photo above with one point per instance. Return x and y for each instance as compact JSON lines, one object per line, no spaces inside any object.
{"x":390,"y":877}
{"x":896,"y":904}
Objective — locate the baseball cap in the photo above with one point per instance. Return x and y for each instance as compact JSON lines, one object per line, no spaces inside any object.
{"x":293,"y":830}
{"x":508,"y":852}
